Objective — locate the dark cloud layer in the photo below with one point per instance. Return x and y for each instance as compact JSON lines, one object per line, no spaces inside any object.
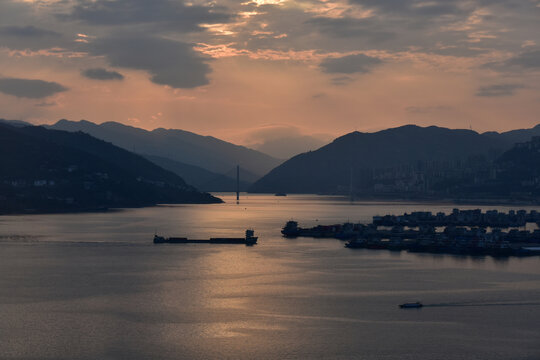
{"x":168,"y":14}
{"x":169,"y":62}
{"x":498,"y":90}
{"x":529,"y":59}
{"x":102,"y":74}
{"x":350,"y":64}
{"x":429,"y":38}
{"x":28,"y":88}
{"x":427,"y":109}
{"x":462,"y":28}
{"x":28,"y":37}
{"x":351,"y":28}
{"x":341,"y":80}
{"x":26,"y":31}
{"x":409,"y":7}
{"x":460,"y":51}
{"x":526,"y":60}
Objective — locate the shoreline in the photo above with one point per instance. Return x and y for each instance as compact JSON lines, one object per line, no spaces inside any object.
{"x":97,"y":210}
{"x":422,"y":200}
{"x":344,"y":198}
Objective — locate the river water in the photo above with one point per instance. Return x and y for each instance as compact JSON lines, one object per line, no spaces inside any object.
{"x":93,"y":286}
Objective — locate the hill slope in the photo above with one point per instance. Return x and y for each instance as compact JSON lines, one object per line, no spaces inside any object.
{"x":49,"y":170}
{"x":519,"y":169}
{"x":182,"y":146}
{"x":514,"y":136}
{"x":329,"y":169}
{"x":202,"y":179}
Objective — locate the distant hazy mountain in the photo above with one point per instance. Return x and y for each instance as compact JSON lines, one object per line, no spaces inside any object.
{"x":185,"y":147}
{"x":289,"y":146}
{"x":49,"y":170}
{"x":203,"y":179}
{"x":329,"y":168}
{"x":515,"y":136}
{"x":16,"y":123}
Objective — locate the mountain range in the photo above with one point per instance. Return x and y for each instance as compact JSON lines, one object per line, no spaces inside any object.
{"x":205,"y":160}
{"x":357,"y":160}
{"x":355,"y":155}
{"x":49,"y":170}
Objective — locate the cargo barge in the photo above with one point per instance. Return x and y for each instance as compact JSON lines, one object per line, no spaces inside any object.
{"x":249,"y":239}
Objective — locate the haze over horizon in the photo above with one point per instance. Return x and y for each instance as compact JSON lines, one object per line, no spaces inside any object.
{"x":260,"y":71}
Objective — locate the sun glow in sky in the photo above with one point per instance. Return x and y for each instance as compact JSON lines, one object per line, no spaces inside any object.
{"x":252,"y":71}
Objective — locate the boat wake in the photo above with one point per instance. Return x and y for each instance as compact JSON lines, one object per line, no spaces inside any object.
{"x":483,"y":304}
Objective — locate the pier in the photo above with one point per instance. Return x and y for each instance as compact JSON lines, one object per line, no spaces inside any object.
{"x":467,"y":232}
{"x":491,"y":218}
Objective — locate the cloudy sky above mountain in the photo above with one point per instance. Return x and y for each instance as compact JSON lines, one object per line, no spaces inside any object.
{"x":235,"y":69}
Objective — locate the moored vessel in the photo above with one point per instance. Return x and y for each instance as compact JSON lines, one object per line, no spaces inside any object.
{"x":291,"y":229}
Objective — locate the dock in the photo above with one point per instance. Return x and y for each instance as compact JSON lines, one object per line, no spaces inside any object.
{"x":465,"y":232}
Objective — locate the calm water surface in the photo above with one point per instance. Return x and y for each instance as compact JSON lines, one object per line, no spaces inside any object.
{"x":93,"y":286}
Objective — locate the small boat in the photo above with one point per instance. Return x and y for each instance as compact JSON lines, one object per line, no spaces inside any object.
{"x":414,"y":305}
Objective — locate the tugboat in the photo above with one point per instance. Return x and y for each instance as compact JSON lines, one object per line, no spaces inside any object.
{"x":414,"y":305}
{"x":291,"y":229}
{"x":248,"y":240}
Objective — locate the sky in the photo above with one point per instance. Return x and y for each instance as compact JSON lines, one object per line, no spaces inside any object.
{"x":272,"y":72}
